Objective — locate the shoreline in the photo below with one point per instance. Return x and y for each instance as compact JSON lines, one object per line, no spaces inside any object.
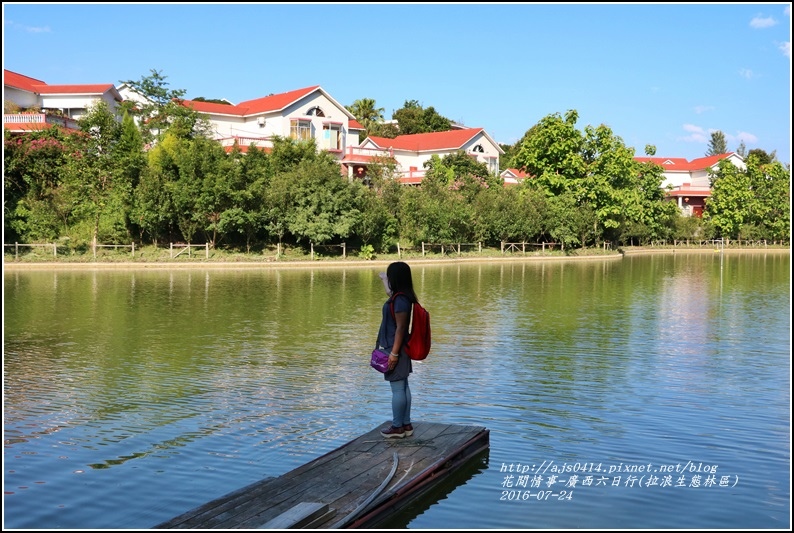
{"x":362,"y":263}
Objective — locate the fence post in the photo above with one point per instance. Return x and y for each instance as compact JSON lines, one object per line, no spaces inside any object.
{"x":55,"y":249}
{"x":171,"y":251}
{"x":133,"y":249}
{"x":16,"y":250}
{"x":458,"y":249}
{"x":502,"y":246}
{"x":479,"y":247}
{"x":344,"y":250}
{"x":207,"y":247}
{"x":423,"y":248}
{"x":399,"y":253}
{"x":311,"y":247}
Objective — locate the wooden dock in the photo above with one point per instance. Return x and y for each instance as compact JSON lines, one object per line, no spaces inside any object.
{"x":354,"y":486}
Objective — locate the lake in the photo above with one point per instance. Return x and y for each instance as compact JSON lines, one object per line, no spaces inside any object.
{"x":655,"y":390}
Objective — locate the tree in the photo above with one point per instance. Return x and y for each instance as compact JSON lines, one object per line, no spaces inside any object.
{"x":366,"y":113}
{"x":764,"y":158}
{"x":162,"y":109}
{"x":731,"y":200}
{"x":130,"y":162}
{"x":650,"y":150}
{"x":413,"y":118}
{"x":98,"y":177}
{"x":35,"y":206}
{"x":212,"y":100}
{"x":460,"y":172}
{"x":742,"y":150}
{"x":551,"y":151}
{"x":326,"y":206}
{"x":771,"y":185}
{"x":717,"y":145}
{"x":249,"y":214}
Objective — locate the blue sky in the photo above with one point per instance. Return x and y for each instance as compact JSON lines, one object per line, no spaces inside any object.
{"x":660,"y":74}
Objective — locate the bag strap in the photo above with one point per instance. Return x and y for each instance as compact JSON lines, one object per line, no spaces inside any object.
{"x":391,"y":303}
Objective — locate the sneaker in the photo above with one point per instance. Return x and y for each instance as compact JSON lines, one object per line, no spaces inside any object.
{"x":409,"y":430}
{"x":393,"y":433}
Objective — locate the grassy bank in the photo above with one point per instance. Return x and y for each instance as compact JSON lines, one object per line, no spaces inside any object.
{"x":182,"y":257}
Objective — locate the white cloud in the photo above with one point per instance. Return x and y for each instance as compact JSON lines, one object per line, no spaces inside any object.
{"x":787,"y":11}
{"x":746,"y":138}
{"x":759,"y":22}
{"x":37,"y":29}
{"x":746,"y":73}
{"x":785,"y":48}
{"x":703,"y":108}
{"x":696,"y":134}
{"x":28,"y":29}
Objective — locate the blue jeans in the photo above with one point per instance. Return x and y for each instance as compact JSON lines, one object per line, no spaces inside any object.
{"x":400,"y":403}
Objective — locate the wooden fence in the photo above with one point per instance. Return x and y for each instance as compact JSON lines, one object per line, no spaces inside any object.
{"x":454,"y":247}
{"x":343,"y":246}
{"x":522,"y":246}
{"x":16,"y":246}
{"x":187,"y":248}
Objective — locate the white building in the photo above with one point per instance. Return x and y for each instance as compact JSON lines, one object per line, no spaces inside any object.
{"x":410,"y":152}
{"x":41,"y":105}
{"x":302,"y":114}
{"x":689,"y":180}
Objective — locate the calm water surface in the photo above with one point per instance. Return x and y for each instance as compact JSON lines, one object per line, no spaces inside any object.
{"x":131,"y":397}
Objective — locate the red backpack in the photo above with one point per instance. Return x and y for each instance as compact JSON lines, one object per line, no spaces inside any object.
{"x":418,"y":345}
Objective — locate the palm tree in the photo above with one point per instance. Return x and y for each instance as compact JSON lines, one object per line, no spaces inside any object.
{"x":365,"y":112}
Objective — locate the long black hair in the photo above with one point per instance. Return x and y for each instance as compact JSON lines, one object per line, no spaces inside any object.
{"x":400,"y":280}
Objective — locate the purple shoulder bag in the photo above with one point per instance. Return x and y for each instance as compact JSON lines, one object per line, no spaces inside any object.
{"x":379,"y":361}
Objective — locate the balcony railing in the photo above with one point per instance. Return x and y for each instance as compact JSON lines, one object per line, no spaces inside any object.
{"x":25,"y":118}
{"x":358,"y":151}
{"x":412,"y":177}
{"x":39,"y":118}
{"x":259,"y":142}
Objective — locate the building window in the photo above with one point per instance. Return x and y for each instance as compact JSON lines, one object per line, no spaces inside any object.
{"x":478,"y":149}
{"x":315,"y":112}
{"x":493,"y":165}
{"x":332,"y":137}
{"x":300,"y":130}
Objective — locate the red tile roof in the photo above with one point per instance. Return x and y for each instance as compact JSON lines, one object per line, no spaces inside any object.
{"x":519,"y":174}
{"x":94,"y":88}
{"x":26,"y":83}
{"x":421,"y":142}
{"x":354,"y":125}
{"x":268,"y":104}
{"x":18,"y":81}
{"x":679,"y":164}
{"x":27,"y":126}
{"x":215,"y":109}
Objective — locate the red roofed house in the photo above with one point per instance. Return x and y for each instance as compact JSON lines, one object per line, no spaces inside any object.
{"x":410,"y":152}
{"x":513,"y":176}
{"x":689,"y":180}
{"x":308,"y":113}
{"x":44,"y":106}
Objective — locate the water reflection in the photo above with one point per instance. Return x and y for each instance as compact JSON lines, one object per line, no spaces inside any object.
{"x":132,"y":396}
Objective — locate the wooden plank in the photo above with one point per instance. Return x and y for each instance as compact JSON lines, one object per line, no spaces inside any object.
{"x":297,"y":516}
{"x":354,"y":478}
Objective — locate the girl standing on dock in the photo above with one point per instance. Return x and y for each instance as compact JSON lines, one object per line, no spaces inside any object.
{"x":392,"y":336}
